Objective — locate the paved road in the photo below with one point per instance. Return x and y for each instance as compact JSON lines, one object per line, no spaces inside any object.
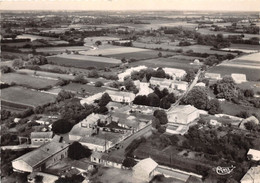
{"x":121,"y":152}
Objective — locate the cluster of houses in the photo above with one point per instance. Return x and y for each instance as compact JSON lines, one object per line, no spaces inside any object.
{"x":238,"y":78}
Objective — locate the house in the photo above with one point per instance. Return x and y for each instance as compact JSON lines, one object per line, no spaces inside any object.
{"x":144,"y":88}
{"x":106,"y":160}
{"x":96,"y":144}
{"x":84,"y":128}
{"x":238,"y":78}
{"x":40,"y":138}
{"x":255,"y":154}
{"x":180,"y":85}
{"x":145,"y":169}
{"x":16,"y":120}
{"x":183,"y":114}
{"x":252,"y":175}
{"x":215,"y":76}
{"x":118,"y":96}
{"x":41,"y":158}
{"x":175,"y":73}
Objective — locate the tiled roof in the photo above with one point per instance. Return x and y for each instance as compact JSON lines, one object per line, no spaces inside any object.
{"x":41,"y":135}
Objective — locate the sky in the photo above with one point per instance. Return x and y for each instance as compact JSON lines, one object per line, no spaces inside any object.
{"x":202,"y":5}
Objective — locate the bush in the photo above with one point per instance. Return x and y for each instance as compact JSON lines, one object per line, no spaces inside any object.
{"x":80,"y":79}
{"x":99,"y":84}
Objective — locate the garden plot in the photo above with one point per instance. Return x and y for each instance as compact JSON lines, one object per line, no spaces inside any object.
{"x":85,"y":88}
{"x":22,"y":96}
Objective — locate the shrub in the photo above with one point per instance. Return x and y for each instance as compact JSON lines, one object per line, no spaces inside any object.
{"x":76,"y":151}
{"x":99,"y":84}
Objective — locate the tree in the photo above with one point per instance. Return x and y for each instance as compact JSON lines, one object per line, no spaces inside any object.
{"x":161,"y":116}
{"x":197,"y":97}
{"x":141,"y":100}
{"x":76,"y":151}
{"x":211,"y":60}
{"x":129,"y":85}
{"x":160,"y":73}
{"x":62,"y":82}
{"x":93,"y":74}
{"x":18,"y":64}
{"x":250,"y":125}
{"x":6,"y":69}
{"x":99,"y":84}
{"x":214,"y":107}
{"x":165,"y":103}
{"x":105,"y":99}
{"x":160,"y":54}
{"x":153,"y":100}
{"x":98,"y":43}
{"x":63,"y":95}
{"x":243,"y":114}
{"x":129,"y":162}
{"x":249,"y":93}
{"x":61,"y":126}
{"x":190,"y":75}
{"x":80,"y":79}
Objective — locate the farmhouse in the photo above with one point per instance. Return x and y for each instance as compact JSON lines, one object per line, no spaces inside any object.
{"x":117,"y":96}
{"x":239,"y":78}
{"x":255,"y":154}
{"x":169,"y":84}
{"x":183,"y":114}
{"x":41,"y":158}
{"x":96,"y":144}
{"x":145,"y":169}
{"x":179,"y":85}
{"x":176,"y":129}
{"x":212,"y":76}
{"x":252,"y":175}
{"x":40,"y":138}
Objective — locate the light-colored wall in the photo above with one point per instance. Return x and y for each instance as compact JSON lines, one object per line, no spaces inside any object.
{"x":20,"y":165}
{"x":40,"y":141}
{"x":57,"y":157}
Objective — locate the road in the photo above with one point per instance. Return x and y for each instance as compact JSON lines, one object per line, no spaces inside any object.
{"x":121,"y":152}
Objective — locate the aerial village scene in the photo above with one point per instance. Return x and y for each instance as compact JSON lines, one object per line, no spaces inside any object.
{"x":120,"y":96}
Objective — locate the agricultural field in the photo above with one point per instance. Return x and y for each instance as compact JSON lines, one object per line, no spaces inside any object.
{"x":88,"y":89}
{"x":174,"y":47}
{"x":233,"y":109}
{"x":28,"y":80}
{"x":166,"y":62}
{"x":251,"y":85}
{"x":56,"y":50}
{"x":46,"y":74}
{"x":69,"y":70}
{"x":83,"y":61}
{"x":21,"y":44}
{"x":112,"y":50}
{"x":248,"y":65}
{"x":22,"y":96}
{"x":245,"y":46}
{"x":6,"y":63}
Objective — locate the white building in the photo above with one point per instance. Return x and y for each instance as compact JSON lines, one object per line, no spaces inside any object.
{"x":40,"y":138}
{"x":252,"y":175}
{"x":145,"y":169}
{"x":175,"y":73}
{"x":119,"y":96}
{"x":96,"y":144}
{"x":91,"y":99}
{"x":255,"y":154}
{"x":213,"y":76}
{"x":238,"y":78}
{"x":183,"y":114}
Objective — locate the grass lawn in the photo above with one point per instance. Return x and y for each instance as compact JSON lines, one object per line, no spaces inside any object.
{"x":245,"y":46}
{"x":27,"y":80}
{"x":166,"y":62}
{"x":113,"y":50}
{"x":27,"y":97}
{"x":83,"y":61}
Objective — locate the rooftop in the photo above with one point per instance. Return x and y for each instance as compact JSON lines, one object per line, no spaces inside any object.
{"x":184,"y":109}
{"x":41,"y":135}
{"x":93,"y":140}
{"x":147,"y":165}
{"x":252,"y":175}
{"x":37,"y":156}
